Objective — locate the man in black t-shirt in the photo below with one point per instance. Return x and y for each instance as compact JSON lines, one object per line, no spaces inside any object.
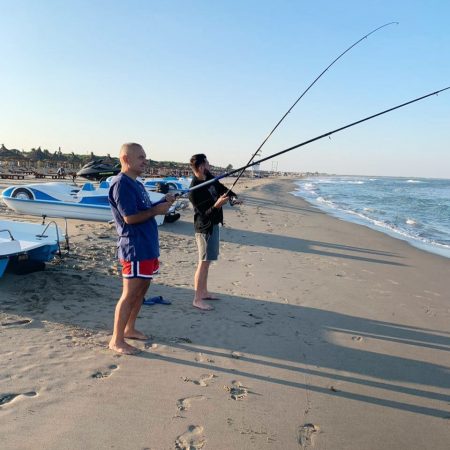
{"x":208,"y":214}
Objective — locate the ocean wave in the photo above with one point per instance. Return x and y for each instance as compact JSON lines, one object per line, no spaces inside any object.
{"x":392,"y":229}
{"x":326,"y":202}
{"x":412,"y":214}
{"x":309,"y":187}
{"x":381,"y":205}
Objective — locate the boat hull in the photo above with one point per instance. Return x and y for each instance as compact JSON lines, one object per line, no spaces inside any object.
{"x":59,"y":209}
{"x":64,"y":210}
{"x":25,"y":242}
{"x":66,"y":201}
{"x":3,"y":264}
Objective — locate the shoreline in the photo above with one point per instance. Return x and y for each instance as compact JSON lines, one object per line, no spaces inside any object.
{"x":327,"y":334}
{"x":353,"y":217}
{"x":335,"y":213}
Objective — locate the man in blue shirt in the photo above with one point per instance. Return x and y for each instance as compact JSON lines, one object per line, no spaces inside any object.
{"x":138,"y":244}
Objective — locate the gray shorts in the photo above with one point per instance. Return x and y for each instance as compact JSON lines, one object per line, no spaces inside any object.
{"x":208,"y":245}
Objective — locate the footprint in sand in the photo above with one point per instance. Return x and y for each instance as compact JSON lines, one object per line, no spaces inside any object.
{"x":105,"y":373}
{"x":185,"y":403}
{"x":193,"y":439}
{"x":255,"y":316}
{"x":205,"y":379}
{"x":15,"y":322}
{"x":154,"y":346}
{"x":306,"y":434}
{"x":200,"y":357}
{"x":236,"y":390}
{"x":202,"y":381}
{"x":7,"y":398}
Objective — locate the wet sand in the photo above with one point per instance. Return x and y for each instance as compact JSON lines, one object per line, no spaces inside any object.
{"x":327,"y":335}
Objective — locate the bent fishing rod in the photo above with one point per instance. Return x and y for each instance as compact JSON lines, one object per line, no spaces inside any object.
{"x":303,"y":94}
{"x":241,"y":169}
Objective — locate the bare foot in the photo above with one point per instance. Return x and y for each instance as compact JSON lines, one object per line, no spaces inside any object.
{"x":208,"y":296}
{"x":200,"y":304}
{"x":135,"y":334}
{"x":123,"y":348}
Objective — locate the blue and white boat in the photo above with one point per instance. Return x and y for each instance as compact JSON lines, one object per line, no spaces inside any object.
{"x":168,"y":184}
{"x":21,"y":242}
{"x":164,"y":185}
{"x":68,"y":201}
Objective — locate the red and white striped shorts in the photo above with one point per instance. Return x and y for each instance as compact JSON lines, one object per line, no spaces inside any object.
{"x":140,"y":269}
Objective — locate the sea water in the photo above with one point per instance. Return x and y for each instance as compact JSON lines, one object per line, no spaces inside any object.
{"x":414,"y":209}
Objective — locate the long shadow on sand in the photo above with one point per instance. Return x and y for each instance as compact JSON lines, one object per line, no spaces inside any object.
{"x":317,"y":350}
{"x":251,"y":238}
{"x":318,"y":343}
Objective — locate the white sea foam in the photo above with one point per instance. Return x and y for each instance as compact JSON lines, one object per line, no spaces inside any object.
{"x":418,"y":216}
{"x":309,"y":186}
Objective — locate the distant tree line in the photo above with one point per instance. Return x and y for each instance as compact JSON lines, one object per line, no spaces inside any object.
{"x":38,"y":157}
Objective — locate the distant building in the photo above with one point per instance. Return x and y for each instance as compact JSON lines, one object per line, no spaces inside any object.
{"x":255,"y":171}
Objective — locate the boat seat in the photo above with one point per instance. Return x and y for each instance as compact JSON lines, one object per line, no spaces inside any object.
{"x":8,"y":247}
{"x":104,"y":185}
{"x":88,"y":187}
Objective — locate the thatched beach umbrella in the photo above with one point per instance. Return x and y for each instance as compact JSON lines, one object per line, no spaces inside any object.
{"x":13,"y":156}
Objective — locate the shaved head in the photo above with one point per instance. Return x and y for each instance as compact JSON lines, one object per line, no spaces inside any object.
{"x":133,"y":159}
{"x":128,"y":148}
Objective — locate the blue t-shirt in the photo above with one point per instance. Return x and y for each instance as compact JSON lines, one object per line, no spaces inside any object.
{"x":140,"y":241}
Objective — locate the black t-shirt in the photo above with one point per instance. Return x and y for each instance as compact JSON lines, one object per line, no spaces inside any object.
{"x":203,"y":199}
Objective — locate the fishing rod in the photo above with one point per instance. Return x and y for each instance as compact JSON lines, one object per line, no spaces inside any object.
{"x":303,"y":94}
{"x":241,"y":169}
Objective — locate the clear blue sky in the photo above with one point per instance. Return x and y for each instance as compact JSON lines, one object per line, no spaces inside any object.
{"x":183,"y":77}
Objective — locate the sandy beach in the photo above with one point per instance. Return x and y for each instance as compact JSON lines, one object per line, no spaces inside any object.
{"x":327,"y":335}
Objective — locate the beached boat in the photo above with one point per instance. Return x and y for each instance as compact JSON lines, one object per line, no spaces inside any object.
{"x":25,"y":244}
{"x":168,"y":184}
{"x":69,"y":201}
{"x":164,"y":185}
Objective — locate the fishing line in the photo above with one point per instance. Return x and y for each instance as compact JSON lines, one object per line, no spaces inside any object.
{"x":329,"y":133}
{"x":303,"y":94}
